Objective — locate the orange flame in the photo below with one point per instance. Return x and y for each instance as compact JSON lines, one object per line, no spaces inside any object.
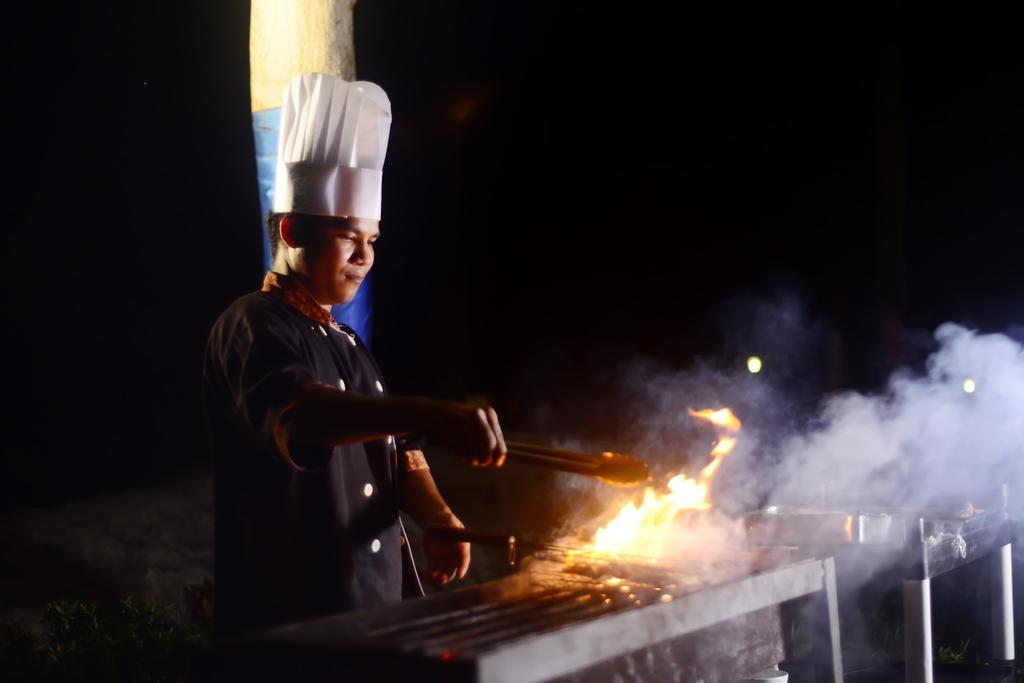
{"x":643,"y":529}
{"x":719,"y":418}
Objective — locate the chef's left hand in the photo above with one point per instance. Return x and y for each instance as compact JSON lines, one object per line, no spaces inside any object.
{"x":446,"y":560}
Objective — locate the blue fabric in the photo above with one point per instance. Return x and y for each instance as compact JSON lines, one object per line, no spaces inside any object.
{"x":265,"y":125}
{"x":358,"y":313}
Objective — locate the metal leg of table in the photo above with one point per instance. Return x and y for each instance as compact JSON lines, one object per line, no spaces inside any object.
{"x":1002,"y":605}
{"x":826,"y":646}
{"x":917,"y":630}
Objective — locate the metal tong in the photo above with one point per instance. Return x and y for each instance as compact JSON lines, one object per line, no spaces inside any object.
{"x":613,"y":468}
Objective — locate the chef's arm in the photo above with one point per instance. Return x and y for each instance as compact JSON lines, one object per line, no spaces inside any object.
{"x":321,"y":415}
{"x":418,"y":496}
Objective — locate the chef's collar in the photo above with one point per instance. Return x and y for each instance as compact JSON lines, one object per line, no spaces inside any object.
{"x":290,"y":290}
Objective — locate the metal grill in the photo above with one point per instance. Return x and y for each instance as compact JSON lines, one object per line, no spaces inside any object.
{"x":919,"y":544}
{"x":534,"y":626}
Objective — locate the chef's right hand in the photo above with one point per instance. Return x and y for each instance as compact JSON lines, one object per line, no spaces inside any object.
{"x":472,"y":431}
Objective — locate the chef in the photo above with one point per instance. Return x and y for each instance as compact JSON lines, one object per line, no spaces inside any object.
{"x":313,"y":457}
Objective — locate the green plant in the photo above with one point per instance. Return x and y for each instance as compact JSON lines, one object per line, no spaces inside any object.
{"x":138,"y":642}
{"x":76,"y":646}
{"x":952,"y":655}
{"x":152,"y":643}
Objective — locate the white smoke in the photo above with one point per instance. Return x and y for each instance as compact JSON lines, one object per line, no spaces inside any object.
{"x":924,"y":440}
{"x":928,"y":438}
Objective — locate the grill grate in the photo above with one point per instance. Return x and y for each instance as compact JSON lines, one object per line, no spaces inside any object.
{"x":542,"y":623}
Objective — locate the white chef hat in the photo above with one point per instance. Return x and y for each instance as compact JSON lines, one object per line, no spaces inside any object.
{"x":330,"y":152}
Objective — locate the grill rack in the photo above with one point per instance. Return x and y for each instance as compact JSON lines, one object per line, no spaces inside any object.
{"x":533,"y":626}
{"x":920,"y":544}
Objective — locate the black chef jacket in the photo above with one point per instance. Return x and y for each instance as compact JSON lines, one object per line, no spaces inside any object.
{"x":320,"y":534}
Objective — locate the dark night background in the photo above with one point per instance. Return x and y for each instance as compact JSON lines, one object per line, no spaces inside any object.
{"x":567,"y":187}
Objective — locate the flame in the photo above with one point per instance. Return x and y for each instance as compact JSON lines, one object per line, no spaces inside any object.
{"x":719,"y":418}
{"x":643,"y":529}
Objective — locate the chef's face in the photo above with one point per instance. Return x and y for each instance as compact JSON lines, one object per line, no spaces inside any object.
{"x":335,"y":254}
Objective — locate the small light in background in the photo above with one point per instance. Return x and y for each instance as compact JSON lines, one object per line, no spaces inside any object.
{"x":969,"y":386}
{"x":754,"y":365}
